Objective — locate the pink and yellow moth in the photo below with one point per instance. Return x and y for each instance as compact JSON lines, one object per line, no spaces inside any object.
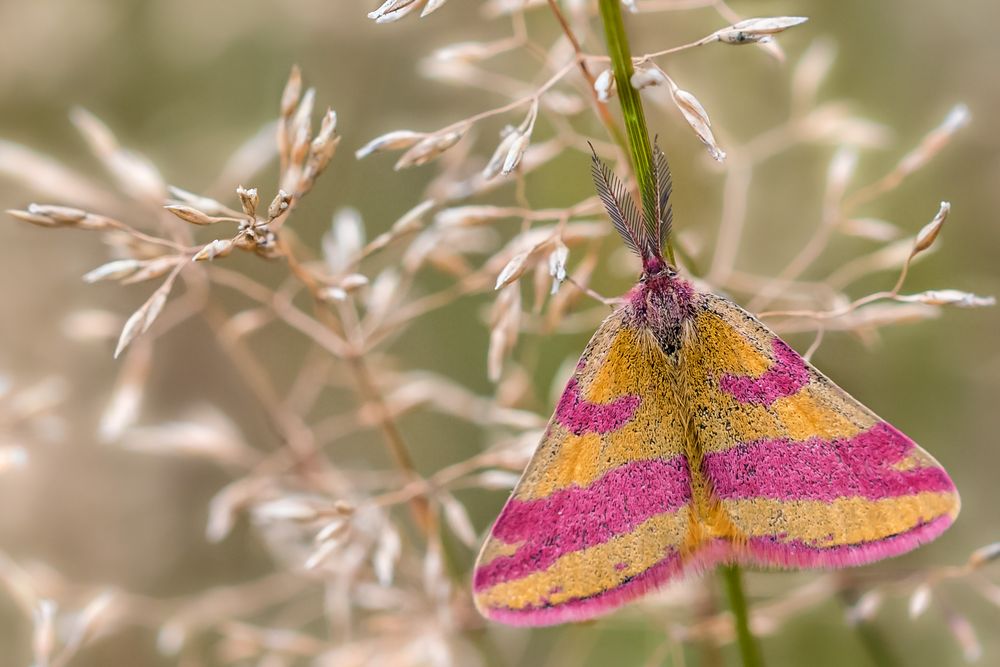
{"x":691,"y":435}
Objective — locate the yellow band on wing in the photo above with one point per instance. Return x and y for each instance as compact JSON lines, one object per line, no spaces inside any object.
{"x":654,"y":431}
{"x":814,"y":411}
{"x":592,"y":571}
{"x":841,"y":522}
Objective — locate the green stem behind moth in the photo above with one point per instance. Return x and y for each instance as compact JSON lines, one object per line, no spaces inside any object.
{"x":640,"y":149}
{"x":641,"y":154}
{"x":749,"y":649}
{"x":871,"y":638}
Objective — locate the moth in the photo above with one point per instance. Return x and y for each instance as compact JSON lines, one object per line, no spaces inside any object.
{"x":690,"y":435}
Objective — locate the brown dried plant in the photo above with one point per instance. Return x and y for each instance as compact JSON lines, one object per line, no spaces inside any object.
{"x":370,"y":552}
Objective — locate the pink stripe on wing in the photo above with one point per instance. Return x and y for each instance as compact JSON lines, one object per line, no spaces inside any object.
{"x":576,"y":518}
{"x":786,"y":376}
{"x":581,"y":416}
{"x":817,"y":469}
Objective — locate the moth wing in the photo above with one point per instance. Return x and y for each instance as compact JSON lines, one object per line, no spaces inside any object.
{"x":601,"y":511}
{"x":807,"y":476}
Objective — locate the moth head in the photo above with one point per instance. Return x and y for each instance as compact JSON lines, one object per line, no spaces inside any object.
{"x":657,"y":268}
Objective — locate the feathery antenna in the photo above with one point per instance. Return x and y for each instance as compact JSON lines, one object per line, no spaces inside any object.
{"x":645,"y":237}
{"x":664,"y":187}
{"x":621,"y":207}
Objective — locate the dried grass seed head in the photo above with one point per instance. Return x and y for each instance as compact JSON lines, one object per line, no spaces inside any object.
{"x":754,"y":30}
{"x":430,"y":147}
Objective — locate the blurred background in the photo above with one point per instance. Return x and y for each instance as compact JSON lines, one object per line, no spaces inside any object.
{"x":185,"y":83}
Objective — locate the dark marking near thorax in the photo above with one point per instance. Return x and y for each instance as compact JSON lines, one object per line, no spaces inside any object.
{"x":662,"y":303}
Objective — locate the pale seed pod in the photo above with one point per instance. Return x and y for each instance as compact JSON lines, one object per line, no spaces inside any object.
{"x":217,"y":248}
{"x":963,"y":632}
{"x":515,"y":153}
{"x":429,"y":148}
{"x":332,"y":293}
{"x":44,"y":636}
{"x":122,"y":409}
{"x":278,"y":205}
{"x":957,"y":118}
{"x":497,"y":480}
{"x":432,"y":6}
{"x":189,"y":214}
{"x":509,"y":135}
{"x":920,"y":600}
{"x":33,"y":218}
{"x":984,"y":555}
{"x":506,"y":322}
{"x":839,"y":173}
{"x":353,"y":281}
{"x":927,"y":235}
{"x":604,"y":84}
{"x":756,"y":29}
{"x":810,"y":72}
{"x":153,"y":268}
{"x":321,"y":151}
{"x":412,"y":219}
{"x":143,"y":318}
{"x":865,"y":608}
{"x":206,"y":205}
{"x":249,"y":200}
{"x":466,"y":216}
{"x":696,"y":116}
{"x":88,"y":622}
{"x":386,"y":554}
{"x":115,"y":270}
{"x":644,"y":77}
{"x":458,"y":519}
{"x":63,"y":215}
{"x":513,"y":270}
{"x":557,"y":265}
{"x":393,"y":10}
{"x":135,"y":174}
{"x":949,"y":297}
{"x":300,"y":509}
{"x":292,"y":92}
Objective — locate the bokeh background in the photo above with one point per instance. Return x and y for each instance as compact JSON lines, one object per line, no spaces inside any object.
{"x":185,"y":82}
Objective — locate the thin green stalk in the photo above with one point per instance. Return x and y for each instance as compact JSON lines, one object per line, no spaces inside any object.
{"x":749,"y":649}
{"x":875,"y":646}
{"x":640,"y":149}
{"x":871,"y":638}
{"x":641,"y":154}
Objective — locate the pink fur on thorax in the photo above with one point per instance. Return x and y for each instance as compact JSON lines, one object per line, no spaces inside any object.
{"x":662,"y":299}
